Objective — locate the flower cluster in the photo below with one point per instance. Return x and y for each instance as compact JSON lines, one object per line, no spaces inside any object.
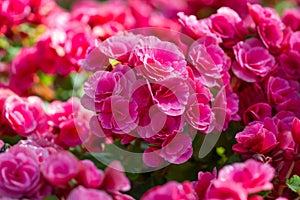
{"x":32,"y":171}
{"x":236,"y":181}
{"x":150,"y":92}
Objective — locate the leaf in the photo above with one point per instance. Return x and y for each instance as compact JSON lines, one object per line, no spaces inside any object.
{"x":294,"y":183}
{"x":51,"y":197}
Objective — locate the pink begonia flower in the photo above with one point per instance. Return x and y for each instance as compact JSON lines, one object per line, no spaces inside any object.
{"x":204,"y":183}
{"x":103,"y":84}
{"x":198,"y":112}
{"x":5,"y":93}
{"x":61,"y":49}
{"x":227,"y":24}
{"x":15,"y":11}
{"x":291,"y":18}
{"x":171,"y":191}
{"x":259,"y":13}
{"x":177,"y":149}
{"x":24,"y":115}
{"x":81,"y":192}
{"x":40,"y":146}
{"x":161,"y":128}
{"x":118,"y":47}
{"x":24,"y":66}
{"x":209,"y":60}
{"x":281,"y":126}
{"x":20,"y":172}
{"x":269,"y":27}
{"x":73,"y":132}
{"x":228,"y":190}
{"x":119,"y":115}
{"x":196,"y":28}
{"x":157,"y":60}
{"x":249,"y":95}
{"x":60,"y":168}
{"x":253,"y":61}
{"x":296,"y":130}
{"x":89,"y":175}
{"x":105,"y":19}
{"x":280,"y":90}
{"x":255,"y":139}
{"x":257,"y":112}
{"x":152,"y":158}
{"x":171,"y":95}
{"x":254,"y":176}
{"x":291,"y":59}
{"x":115,"y":178}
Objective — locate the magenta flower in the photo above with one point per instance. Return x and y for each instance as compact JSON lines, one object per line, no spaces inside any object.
{"x":171,"y":191}
{"x":81,"y":192}
{"x":296,"y":130}
{"x":269,"y":26}
{"x":20,"y":172}
{"x":290,"y":59}
{"x":115,"y":179}
{"x":255,"y":139}
{"x":204,"y":183}
{"x":157,"y":60}
{"x":24,"y":66}
{"x":228,"y":190}
{"x":280,"y":90}
{"x":196,"y":28}
{"x":227,"y":24}
{"x":254,"y":176}
{"x":24,"y":116}
{"x":60,"y":168}
{"x":73,"y":132}
{"x":253,"y":61}
{"x":89,"y":175}
{"x":291,"y":18}
{"x":257,"y":112}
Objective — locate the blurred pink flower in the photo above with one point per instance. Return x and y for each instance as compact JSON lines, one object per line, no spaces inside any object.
{"x":177,"y":149}
{"x":204,"y":183}
{"x":227,"y":24}
{"x":81,"y":192}
{"x":228,"y":190}
{"x":115,"y":179}
{"x":291,"y":18}
{"x":60,"y":168}
{"x":296,"y":130}
{"x":89,"y":175}
{"x":25,"y":116}
{"x":23,"y":69}
{"x":20,"y":172}
{"x":254,"y":176}
{"x":280,"y":90}
{"x":171,"y":191}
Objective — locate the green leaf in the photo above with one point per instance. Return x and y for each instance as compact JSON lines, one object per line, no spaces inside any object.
{"x":51,"y":197}
{"x":294,"y":183}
